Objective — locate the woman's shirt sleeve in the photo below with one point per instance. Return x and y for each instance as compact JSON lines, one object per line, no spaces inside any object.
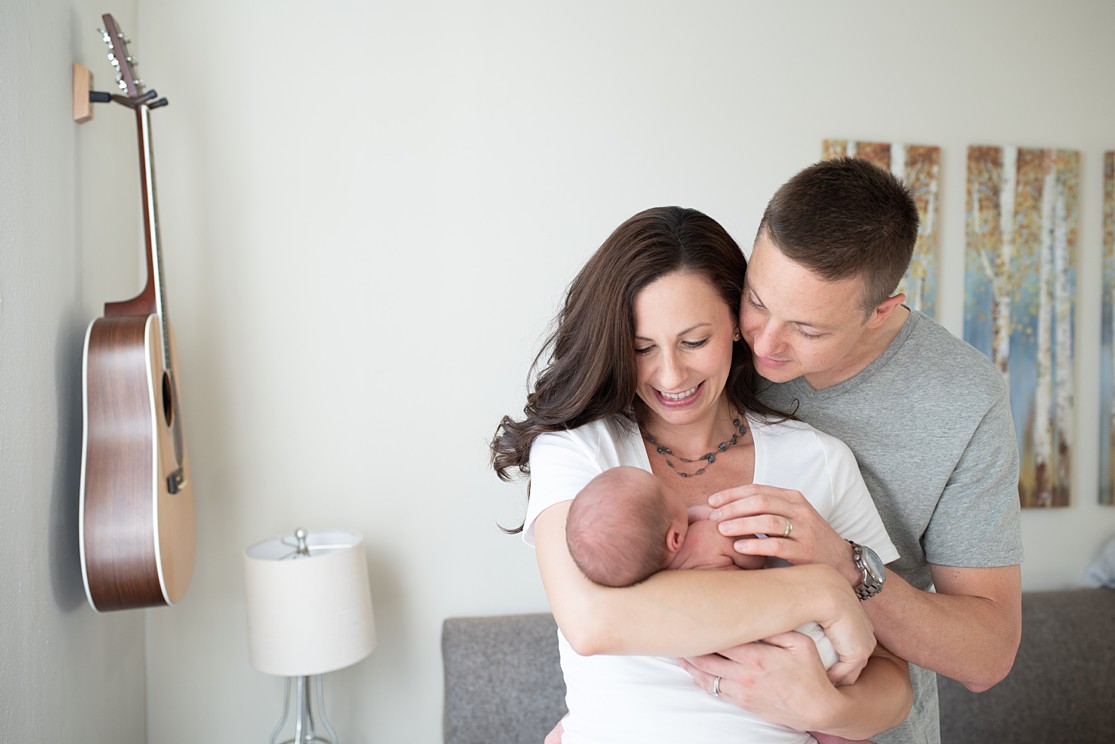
{"x":561,"y":463}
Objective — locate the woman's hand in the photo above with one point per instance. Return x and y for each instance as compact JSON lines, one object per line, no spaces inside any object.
{"x":794,"y":531}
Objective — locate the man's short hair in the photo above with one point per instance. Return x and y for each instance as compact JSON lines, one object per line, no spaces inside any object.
{"x":846,"y":217}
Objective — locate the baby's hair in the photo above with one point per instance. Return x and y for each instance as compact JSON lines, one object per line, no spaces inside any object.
{"x":616,"y":527}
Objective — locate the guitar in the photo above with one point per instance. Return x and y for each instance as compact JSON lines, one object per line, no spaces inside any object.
{"x":137,"y":508}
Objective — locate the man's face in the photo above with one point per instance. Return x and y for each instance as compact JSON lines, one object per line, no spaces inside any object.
{"x":799,"y":324}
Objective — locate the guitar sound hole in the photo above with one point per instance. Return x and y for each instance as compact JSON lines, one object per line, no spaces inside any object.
{"x":168,"y":400}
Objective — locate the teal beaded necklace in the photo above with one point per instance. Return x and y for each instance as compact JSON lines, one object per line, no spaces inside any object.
{"x":739,"y":429}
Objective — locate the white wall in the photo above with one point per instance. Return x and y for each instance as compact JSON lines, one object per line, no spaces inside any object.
{"x":67,"y":217}
{"x":369,"y":213}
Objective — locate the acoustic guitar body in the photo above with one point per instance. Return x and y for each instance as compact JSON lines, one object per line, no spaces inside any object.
{"x":137,"y":507}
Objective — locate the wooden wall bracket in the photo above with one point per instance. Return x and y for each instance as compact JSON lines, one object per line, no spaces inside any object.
{"x":83,"y":86}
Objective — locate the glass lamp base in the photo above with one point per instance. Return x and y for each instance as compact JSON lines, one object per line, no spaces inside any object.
{"x":304,"y":731}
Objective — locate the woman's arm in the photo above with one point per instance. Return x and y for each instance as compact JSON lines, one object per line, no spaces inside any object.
{"x":686,"y":613}
{"x":782,"y":680}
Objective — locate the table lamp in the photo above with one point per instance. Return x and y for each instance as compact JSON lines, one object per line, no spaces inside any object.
{"x":309,"y":612}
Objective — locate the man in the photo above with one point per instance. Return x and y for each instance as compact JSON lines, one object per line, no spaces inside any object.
{"x":927,"y":417}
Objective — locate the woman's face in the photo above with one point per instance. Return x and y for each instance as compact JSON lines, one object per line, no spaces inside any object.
{"x":683,"y":349}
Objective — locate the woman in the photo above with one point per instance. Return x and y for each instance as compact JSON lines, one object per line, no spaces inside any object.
{"x":647,"y":369}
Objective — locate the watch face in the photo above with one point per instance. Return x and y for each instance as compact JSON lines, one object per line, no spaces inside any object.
{"x":874,"y":565}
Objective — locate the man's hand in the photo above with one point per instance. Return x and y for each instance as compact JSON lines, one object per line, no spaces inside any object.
{"x":780,"y":680}
{"x":794,"y":531}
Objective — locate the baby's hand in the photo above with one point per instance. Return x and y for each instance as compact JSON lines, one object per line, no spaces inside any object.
{"x":699,"y":512}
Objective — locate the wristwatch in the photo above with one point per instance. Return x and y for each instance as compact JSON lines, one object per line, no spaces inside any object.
{"x":872,"y":568}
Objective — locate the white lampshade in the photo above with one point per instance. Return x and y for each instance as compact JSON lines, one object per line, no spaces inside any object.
{"x":308,"y":614}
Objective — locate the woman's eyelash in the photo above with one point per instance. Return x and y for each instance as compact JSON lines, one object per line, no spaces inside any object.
{"x":641,"y":350}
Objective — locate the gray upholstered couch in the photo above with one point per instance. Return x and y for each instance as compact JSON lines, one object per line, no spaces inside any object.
{"x":503,"y":684}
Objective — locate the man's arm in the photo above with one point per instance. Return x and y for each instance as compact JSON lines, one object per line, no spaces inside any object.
{"x":968,"y":630}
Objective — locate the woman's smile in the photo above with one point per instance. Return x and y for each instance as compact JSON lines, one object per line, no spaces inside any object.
{"x":679,"y":400}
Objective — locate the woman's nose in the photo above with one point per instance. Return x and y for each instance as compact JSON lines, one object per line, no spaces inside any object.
{"x":670,"y":373}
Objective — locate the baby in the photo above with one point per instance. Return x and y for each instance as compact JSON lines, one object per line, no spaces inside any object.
{"x":624,"y":526}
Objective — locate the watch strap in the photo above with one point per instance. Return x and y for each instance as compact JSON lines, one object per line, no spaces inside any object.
{"x":869,"y":585}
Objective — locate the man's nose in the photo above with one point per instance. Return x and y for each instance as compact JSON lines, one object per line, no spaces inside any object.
{"x":765,"y":340}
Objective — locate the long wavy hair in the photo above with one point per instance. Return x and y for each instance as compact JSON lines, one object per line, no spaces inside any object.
{"x":590,"y":370}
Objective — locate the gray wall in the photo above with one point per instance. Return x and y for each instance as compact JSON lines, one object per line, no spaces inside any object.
{"x":65,"y":211}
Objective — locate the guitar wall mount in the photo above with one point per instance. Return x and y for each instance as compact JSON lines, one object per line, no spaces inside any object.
{"x":84,"y":95}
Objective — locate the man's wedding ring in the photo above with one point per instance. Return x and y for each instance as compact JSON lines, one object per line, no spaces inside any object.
{"x":789,"y":528}
{"x":716,"y":686}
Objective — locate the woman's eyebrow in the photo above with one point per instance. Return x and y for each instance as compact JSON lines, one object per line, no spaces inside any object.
{"x":690,"y":329}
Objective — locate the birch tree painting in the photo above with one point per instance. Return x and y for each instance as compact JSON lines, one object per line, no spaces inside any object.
{"x":1020,"y":289}
{"x":1107,"y":347}
{"x":919,"y":167}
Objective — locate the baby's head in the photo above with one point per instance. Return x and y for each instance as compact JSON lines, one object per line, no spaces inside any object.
{"x":624,"y":526}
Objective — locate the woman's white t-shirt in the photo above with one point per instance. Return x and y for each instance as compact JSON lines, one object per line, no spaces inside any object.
{"x":645,"y":699}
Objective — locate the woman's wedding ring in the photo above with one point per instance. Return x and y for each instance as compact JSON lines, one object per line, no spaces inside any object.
{"x":716,"y":686}
{"x":789,"y":528}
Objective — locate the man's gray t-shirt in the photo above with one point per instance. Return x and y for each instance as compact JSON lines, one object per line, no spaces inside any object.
{"x":930,"y":424}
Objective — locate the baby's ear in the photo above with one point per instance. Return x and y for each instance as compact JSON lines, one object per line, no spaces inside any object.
{"x":674,"y":536}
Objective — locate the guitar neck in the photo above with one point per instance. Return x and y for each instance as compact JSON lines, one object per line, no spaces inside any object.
{"x":152,"y":300}
{"x":151,"y":222}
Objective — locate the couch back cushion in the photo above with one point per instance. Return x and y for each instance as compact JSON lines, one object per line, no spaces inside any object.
{"x":1062,"y":686}
{"x":503,"y":682}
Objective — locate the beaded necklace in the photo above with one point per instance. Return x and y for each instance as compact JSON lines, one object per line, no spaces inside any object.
{"x":739,"y":429}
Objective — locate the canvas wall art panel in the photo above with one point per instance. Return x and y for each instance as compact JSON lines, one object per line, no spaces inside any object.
{"x":1107,"y":348}
{"x":1020,"y":298}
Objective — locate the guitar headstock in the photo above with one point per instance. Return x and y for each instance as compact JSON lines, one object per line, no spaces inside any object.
{"x":124,"y":64}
